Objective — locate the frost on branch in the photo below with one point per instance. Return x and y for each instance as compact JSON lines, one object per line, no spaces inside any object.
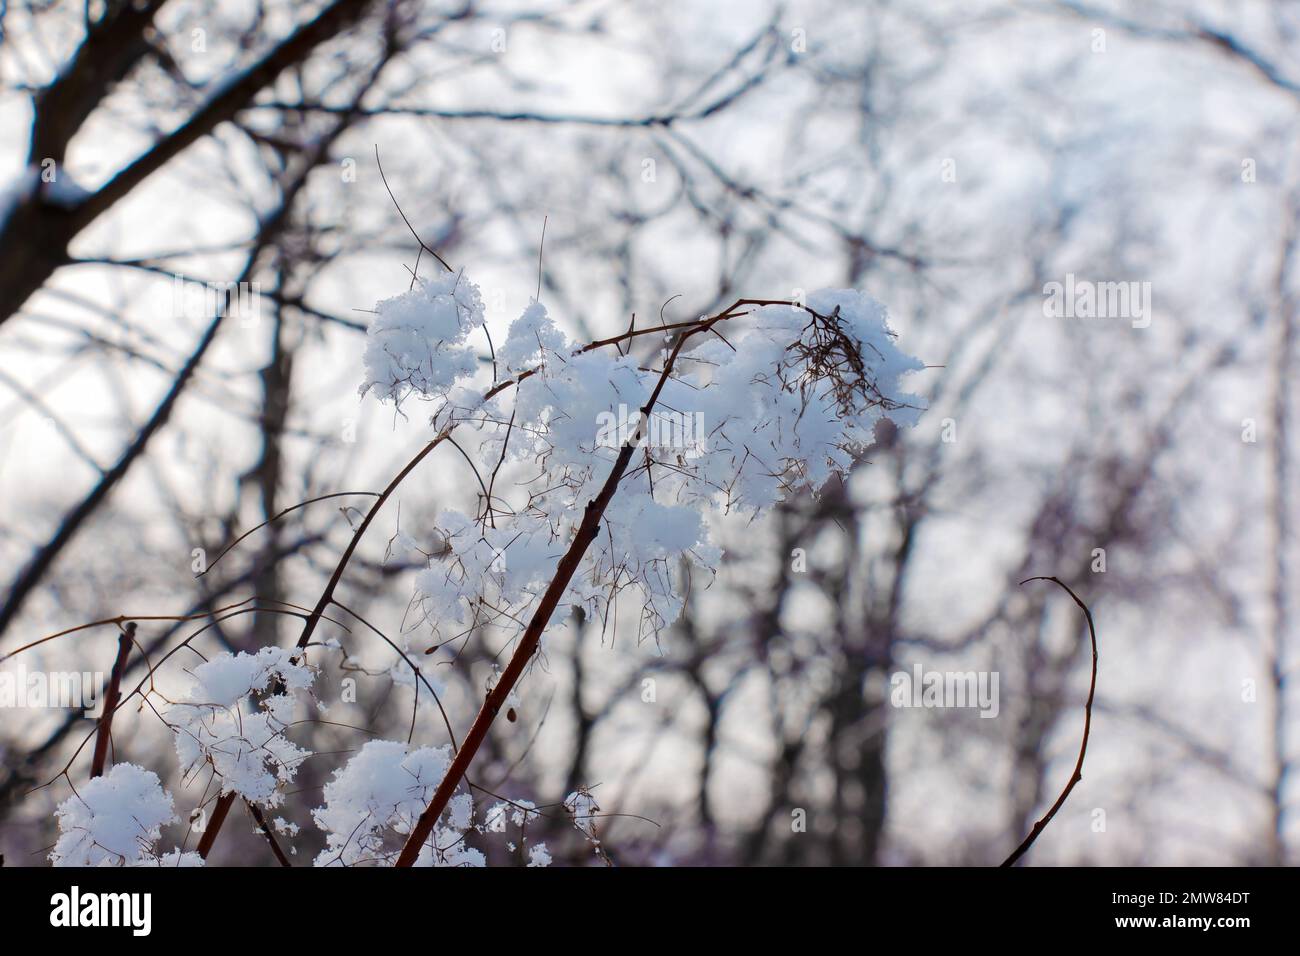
{"x":518,"y":812}
{"x":769,"y":401}
{"x":373,"y":801}
{"x":582,"y":806}
{"x":219,"y":726}
{"x":115,"y":820}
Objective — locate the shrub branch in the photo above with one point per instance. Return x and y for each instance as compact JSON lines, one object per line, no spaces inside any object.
{"x":1087,"y":728}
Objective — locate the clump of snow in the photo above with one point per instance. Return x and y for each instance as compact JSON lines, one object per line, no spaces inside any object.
{"x":417,"y":340}
{"x":531,"y":336}
{"x":114,"y":820}
{"x":228,"y":678}
{"x":518,"y":812}
{"x":538,"y":855}
{"x":375,"y":799}
{"x":218,"y":726}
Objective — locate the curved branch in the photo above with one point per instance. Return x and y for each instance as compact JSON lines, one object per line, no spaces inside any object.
{"x":1087,"y":728}
{"x":276,"y":517}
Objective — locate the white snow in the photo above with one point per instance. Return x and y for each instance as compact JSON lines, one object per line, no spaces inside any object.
{"x":378,"y":795}
{"x":538,"y":855}
{"x":417,"y":341}
{"x":747,"y":422}
{"x":216,"y":726}
{"x":114,"y":820}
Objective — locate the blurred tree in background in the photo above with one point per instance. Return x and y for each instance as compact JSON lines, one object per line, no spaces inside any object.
{"x":952,"y":159}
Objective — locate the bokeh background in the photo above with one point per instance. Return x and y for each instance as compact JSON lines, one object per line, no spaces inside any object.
{"x":950,"y":158}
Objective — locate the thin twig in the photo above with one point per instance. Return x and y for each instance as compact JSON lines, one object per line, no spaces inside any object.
{"x":540,"y":246}
{"x":109,"y":703}
{"x":1087,"y":728}
{"x":256,"y":811}
{"x":224,"y":803}
{"x":302,"y":504}
{"x":403,"y":215}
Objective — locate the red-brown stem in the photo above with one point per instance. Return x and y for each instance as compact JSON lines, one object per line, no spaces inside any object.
{"x":1087,"y":728}
{"x":256,"y":811}
{"x":219,"y":812}
{"x":587,"y":531}
{"x":112,"y":694}
{"x":309,"y":626}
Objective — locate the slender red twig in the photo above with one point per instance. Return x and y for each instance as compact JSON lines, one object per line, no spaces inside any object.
{"x":1087,"y":728}
{"x":109,"y":703}
{"x":219,"y":811}
{"x":256,"y":811}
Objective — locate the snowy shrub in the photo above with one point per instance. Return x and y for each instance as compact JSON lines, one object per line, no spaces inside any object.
{"x":776,"y":404}
{"x":601,"y":468}
{"x":785,"y":395}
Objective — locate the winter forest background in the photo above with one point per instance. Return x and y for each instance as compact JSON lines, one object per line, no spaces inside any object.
{"x":951,"y":159}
